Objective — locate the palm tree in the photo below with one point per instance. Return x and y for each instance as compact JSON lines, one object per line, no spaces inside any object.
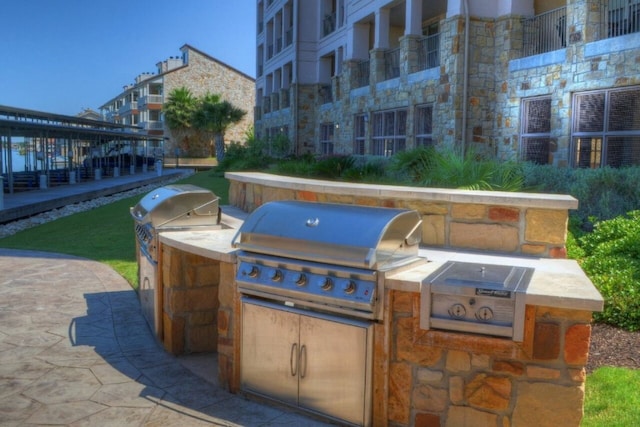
{"x":214,"y":117}
{"x":178,"y":114}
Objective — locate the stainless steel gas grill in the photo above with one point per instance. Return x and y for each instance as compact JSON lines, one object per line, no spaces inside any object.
{"x":479,"y":298}
{"x":169,"y":208}
{"x":312,"y":279}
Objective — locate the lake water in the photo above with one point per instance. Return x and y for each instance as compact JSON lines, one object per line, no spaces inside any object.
{"x":17,"y":160}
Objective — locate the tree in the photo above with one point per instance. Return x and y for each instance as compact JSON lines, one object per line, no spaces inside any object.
{"x":213,"y":117}
{"x":178,"y":114}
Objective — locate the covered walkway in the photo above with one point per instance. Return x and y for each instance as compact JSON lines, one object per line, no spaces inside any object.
{"x":55,"y":149}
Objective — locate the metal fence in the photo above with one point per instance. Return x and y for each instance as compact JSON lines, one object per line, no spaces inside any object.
{"x":545,"y":32}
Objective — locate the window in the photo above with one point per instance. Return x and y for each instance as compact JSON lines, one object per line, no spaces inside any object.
{"x":424,"y":125}
{"x":535,"y":138}
{"x":359,"y":132}
{"x":389,"y":132}
{"x":326,"y":138}
{"x":606,"y":128}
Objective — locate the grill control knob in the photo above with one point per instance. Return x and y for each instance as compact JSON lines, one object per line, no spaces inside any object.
{"x":275,"y":275}
{"x":457,"y":311}
{"x":484,"y":314}
{"x":300,"y":279}
{"x":349,"y":287}
{"x":326,"y":284}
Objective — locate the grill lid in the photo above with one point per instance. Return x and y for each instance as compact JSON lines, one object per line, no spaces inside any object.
{"x":349,"y":235}
{"x":178,"y":206}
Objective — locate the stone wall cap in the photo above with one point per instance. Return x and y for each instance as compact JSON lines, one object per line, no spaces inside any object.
{"x":504,"y":198}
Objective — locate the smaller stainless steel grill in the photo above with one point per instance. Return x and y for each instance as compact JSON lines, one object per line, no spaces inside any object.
{"x":169,"y":208}
{"x":480,"y":298}
{"x":173,"y":207}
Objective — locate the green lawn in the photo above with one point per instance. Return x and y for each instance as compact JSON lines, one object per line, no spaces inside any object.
{"x":103,"y":234}
{"x":106,"y":234}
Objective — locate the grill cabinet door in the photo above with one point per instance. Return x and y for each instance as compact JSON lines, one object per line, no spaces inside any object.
{"x":269,"y":352}
{"x":334,"y":373}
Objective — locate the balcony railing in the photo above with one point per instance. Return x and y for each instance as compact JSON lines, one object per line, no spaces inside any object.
{"x":149,"y":99}
{"x":329,"y":24}
{"x":429,"y":52}
{"x":326,"y":94}
{"x":288,"y":37}
{"x":153,"y":125}
{"x":284,"y":98}
{"x":362,"y":74}
{"x":545,"y":32}
{"x":392,"y":64}
{"x":620,"y":17}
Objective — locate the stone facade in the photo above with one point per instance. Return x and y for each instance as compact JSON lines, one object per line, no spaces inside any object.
{"x":205,"y":74}
{"x":489,"y":116}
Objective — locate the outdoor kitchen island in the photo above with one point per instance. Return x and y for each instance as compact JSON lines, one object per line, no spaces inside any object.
{"x":423,"y":372}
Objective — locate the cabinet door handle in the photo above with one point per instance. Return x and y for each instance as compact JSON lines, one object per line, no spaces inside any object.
{"x":293,"y":358}
{"x":303,"y":361}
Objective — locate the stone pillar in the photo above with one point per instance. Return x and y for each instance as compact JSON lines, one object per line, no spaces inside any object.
{"x":43,"y":181}
{"x":409,"y":46}
{"x":98,"y":174}
{"x":72,"y":176}
{"x":1,"y":192}
{"x":377,"y":66}
{"x":116,"y":171}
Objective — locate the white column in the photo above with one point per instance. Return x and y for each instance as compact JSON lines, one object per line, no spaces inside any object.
{"x":413,"y":18}
{"x":382,"y":29}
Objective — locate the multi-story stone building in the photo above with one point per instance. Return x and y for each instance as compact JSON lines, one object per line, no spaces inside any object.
{"x":550,"y":81}
{"x":141,"y":103}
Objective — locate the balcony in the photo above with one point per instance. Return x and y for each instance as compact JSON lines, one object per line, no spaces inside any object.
{"x":429,"y":52}
{"x":545,"y":32}
{"x":127,"y":107}
{"x":329,"y":24}
{"x":325,"y":94}
{"x":392,"y":64}
{"x":149,"y":99}
{"x":620,"y":17}
{"x":266,"y":105}
{"x":288,"y":37}
{"x":361,"y":71}
{"x":284,"y":98}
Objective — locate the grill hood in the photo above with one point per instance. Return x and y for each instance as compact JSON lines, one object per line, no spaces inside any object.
{"x":177,"y":206}
{"x":348,"y":235}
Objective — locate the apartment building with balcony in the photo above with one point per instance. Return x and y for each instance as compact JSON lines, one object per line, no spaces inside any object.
{"x":549,"y":81}
{"x":140,"y":103}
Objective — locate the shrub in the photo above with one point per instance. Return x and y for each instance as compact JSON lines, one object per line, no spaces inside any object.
{"x":447,"y":168}
{"x":248,"y":156}
{"x":333,"y":167}
{"x":612,"y":262}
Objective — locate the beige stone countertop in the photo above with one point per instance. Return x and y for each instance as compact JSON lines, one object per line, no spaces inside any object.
{"x":558,"y":283}
{"x":214,"y":243}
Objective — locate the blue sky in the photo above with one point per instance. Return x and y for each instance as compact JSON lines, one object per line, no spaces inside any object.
{"x":62,"y":56}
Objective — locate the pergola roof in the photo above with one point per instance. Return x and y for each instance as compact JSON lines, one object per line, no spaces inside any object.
{"x":31,"y":123}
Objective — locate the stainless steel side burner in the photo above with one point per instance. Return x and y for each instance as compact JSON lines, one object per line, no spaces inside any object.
{"x":472,"y":297}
